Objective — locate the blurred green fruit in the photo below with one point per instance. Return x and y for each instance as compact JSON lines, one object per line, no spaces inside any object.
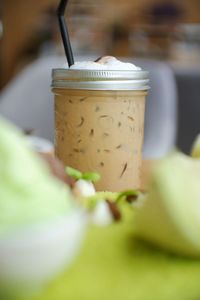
{"x":170,"y":216}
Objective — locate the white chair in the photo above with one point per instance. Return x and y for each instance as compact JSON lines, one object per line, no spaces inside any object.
{"x":161,"y":110}
{"x":28,"y":102}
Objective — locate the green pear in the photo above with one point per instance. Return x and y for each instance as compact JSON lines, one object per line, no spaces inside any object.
{"x":170,"y":216}
{"x":196,"y":147}
{"x":28,"y":192}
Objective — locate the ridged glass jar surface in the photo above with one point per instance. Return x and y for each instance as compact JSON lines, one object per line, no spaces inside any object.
{"x":101,"y":129}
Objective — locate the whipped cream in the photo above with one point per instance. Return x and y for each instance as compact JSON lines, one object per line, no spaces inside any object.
{"x":105,"y":63}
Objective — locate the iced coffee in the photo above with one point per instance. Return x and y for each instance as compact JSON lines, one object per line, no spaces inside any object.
{"x":99,"y":120}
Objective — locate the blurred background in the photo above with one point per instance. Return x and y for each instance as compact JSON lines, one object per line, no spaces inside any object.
{"x":153,"y":33}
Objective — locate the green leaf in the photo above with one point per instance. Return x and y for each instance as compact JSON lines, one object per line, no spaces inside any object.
{"x":91,"y":176}
{"x":74,"y":173}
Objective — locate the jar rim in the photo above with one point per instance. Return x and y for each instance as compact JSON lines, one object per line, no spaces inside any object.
{"x":100,"y":79}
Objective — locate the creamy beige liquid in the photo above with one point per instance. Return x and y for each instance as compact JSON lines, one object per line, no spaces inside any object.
{"x":101,"y":131}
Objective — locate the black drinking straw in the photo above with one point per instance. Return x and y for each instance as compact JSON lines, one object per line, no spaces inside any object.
{"x":64,"y":32}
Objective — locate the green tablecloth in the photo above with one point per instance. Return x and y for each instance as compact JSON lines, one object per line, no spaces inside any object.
{"x":113,"y":265}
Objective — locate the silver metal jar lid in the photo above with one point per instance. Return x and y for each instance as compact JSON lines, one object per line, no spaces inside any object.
{"x":100,"y":79}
